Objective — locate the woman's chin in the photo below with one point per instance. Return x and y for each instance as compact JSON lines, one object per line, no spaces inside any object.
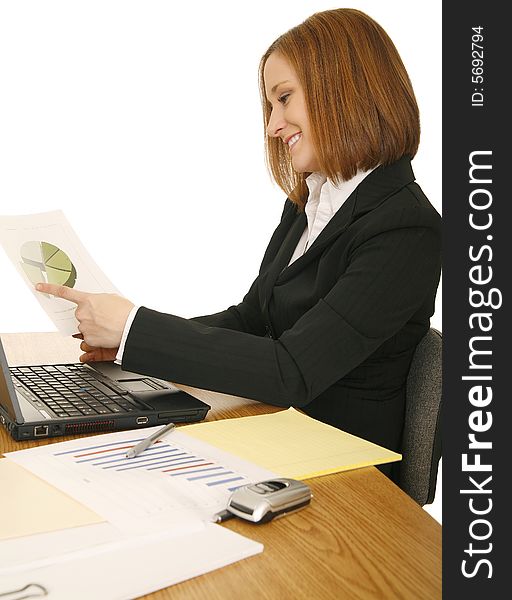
{"x":304,"y":166}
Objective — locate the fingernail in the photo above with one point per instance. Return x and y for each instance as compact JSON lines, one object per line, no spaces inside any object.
{"x":38,"y":287}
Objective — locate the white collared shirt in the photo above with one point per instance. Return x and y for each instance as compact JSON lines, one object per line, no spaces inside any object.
{"x":324,"y":200}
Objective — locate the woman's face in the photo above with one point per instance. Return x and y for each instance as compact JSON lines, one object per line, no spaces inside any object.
{"x":288,"y":119}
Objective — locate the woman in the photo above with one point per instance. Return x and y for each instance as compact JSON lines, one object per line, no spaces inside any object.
{"x":348,"y":281}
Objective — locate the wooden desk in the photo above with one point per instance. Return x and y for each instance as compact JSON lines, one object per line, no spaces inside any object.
{"x":360,"y":538}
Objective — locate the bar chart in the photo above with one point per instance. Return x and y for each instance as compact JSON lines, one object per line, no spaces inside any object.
{"x":177,"y":482}
{"x":162,"y":458}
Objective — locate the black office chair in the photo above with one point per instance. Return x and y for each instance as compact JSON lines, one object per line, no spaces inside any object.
{"x":421,"y":444}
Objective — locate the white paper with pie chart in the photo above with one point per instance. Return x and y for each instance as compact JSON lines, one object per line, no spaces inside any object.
{"x":43,"y":261}
{"x":43,"y":247}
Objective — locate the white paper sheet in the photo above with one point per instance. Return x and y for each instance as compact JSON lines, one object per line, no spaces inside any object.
{"x":178,"y":479}
{"x":22,"y":551}
{"x":44,"y":248}
{"x":130,"y":570}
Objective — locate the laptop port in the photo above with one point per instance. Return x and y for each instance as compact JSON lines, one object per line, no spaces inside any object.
{"x":141,"y":420}
{"x":41,"y":430}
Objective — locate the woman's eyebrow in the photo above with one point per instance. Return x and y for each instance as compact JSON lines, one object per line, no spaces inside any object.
{"x":278,"y":84}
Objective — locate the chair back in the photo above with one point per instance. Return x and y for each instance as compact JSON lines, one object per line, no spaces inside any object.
{"x":421,"y":443}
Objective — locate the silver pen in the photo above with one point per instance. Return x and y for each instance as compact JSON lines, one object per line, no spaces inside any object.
{"x":141,"y":446}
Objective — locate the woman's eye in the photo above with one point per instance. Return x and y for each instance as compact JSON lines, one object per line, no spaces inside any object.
{"x":283,"y":98}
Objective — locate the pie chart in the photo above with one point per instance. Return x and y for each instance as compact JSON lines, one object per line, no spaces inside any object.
{"x":44,"y":262}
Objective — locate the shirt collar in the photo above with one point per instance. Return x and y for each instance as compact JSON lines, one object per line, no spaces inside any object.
{"x":315,"y":181}
{"x":335,"y":194}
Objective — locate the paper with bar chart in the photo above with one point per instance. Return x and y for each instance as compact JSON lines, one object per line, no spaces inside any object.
{"x":177,"y":479}
{"x":44,"y":248}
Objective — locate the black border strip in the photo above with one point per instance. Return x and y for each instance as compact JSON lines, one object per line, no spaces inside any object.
{"x":476,"y":296}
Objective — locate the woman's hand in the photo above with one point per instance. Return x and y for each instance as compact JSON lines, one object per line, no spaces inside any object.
{"x":101,"y":317}
{"x":92,"y":354}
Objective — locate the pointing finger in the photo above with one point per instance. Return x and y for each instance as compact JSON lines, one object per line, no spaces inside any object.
{"x":61,"y":291}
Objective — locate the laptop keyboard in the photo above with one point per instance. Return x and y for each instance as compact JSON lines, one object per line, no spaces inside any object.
{"x":72,"y":391}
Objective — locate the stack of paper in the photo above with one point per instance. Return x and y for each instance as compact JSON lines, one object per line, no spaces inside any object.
{"x":136,"y":524}
{"x":71,"y":538}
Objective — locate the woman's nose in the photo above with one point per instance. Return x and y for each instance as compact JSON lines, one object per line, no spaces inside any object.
{"x":275,"y":124}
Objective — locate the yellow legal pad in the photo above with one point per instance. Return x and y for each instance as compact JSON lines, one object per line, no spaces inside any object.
{"x":291,"y":444}
{"x":34,"y":506}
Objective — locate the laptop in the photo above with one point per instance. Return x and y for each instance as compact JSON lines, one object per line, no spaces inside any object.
{"x":53,"y":400}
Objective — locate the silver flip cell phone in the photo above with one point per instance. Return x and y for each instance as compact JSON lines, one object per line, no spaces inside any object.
{"x":261,"y":502}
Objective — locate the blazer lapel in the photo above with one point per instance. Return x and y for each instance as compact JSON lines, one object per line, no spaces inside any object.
{"x":281,"y":259}
{"x":336,"y":226}
{"x":369,"y":194}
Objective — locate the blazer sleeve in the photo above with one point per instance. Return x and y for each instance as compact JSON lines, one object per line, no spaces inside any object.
{"x":390,"y":274}
{"x":245,"y":316}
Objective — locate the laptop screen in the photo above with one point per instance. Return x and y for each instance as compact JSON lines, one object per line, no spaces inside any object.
{"x":7,"y":392}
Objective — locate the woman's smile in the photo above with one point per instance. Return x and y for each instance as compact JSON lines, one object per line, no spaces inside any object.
{"x":291,"y":141}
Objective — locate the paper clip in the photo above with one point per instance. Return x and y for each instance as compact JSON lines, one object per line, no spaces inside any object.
{"x":38,"y":591}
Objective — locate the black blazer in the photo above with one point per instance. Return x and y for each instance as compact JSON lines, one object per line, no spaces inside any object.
{"x":334,"y":332}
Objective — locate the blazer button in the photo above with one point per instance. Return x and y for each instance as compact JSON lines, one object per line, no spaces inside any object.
{"x":268,"y":330}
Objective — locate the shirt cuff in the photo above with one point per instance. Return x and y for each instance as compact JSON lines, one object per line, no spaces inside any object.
{"x":126,"y":331}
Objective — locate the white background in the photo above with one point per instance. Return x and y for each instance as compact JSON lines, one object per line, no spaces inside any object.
{"x":141,"y":120}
